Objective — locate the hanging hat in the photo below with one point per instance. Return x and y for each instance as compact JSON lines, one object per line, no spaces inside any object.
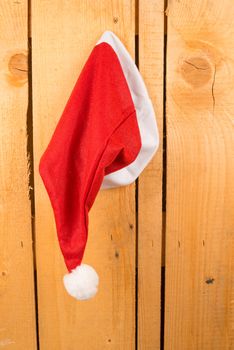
{"x":105,"y":137}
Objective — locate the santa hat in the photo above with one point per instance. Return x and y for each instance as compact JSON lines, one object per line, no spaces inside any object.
{"x":105,"y":137}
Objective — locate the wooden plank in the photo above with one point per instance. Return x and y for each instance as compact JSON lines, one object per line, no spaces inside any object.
{"x":61,"y":45}
{"x":17,"y":309}
{"x":200,"y":163}
{"x":151,"y":41}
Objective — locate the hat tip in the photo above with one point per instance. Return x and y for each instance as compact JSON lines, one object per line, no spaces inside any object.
{"x":82,"y":282}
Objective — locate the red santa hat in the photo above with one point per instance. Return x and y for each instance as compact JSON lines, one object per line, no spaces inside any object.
{"x":105,"y":137}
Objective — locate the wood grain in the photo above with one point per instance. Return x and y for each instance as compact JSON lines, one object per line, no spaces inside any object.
{"x":61,"y":45}
{"x":199,"y":220}
{"x":151,"y":47}
{"x":17,"y":309}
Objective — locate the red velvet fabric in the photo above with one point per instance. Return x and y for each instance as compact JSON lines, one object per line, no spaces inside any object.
{"x":96,"y":135}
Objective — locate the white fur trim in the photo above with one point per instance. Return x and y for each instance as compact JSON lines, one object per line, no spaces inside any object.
{"x":82,"y":282}
{"x":145,"y":116}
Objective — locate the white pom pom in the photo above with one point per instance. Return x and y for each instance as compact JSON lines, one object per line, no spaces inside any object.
{"x":82,"y":282}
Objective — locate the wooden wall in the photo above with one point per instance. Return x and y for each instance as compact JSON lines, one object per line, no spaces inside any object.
{"x":164,"y":246}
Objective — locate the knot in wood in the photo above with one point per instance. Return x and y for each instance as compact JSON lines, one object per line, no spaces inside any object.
{"x":18,"y":67}
{"x":197,"y":71}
